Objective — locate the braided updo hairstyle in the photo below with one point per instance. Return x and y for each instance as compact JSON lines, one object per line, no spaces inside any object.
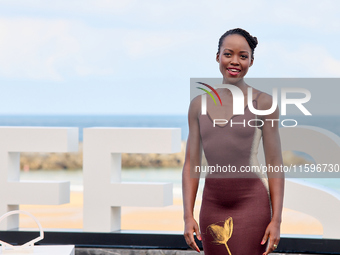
{"x":252,"y":41}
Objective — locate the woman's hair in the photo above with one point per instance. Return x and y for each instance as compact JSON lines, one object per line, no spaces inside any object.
{"x":252,"y":41}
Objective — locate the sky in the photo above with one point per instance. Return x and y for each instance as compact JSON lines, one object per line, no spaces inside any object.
{"x":137,"y":57}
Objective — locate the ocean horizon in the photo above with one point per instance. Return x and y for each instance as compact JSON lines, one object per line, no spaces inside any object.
{"x":86,"y":121}
{"x":330,"y":122}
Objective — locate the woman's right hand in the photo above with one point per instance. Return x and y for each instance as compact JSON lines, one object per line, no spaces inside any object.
{"x":191,"y":227}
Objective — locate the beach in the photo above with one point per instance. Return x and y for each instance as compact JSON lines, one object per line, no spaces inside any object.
{"x":169,"y":218}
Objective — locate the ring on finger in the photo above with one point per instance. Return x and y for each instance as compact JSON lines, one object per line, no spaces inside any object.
{"x":275,"y":246}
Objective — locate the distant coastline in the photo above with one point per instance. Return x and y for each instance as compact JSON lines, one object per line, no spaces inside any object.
{"x":72,"y":161}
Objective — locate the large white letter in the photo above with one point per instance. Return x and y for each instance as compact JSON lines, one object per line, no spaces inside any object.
{"x":318,"y":201}
{"x":104,"y":193}
{"x":14,"y":192}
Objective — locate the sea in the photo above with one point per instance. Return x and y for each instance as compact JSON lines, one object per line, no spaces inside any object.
{"x":85,"y":121}
{"x":331,"y":123}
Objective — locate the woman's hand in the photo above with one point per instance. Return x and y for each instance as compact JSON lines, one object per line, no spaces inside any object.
{"x":191,"y":227}
{"x":273,"y":233}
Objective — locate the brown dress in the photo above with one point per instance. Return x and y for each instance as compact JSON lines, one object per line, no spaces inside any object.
{"x":236,"y":207}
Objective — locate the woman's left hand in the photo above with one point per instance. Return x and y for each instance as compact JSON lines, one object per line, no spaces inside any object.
{"x":273,"y":233}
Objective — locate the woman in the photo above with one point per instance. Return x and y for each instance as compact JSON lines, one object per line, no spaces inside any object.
{"x":238,"y":215}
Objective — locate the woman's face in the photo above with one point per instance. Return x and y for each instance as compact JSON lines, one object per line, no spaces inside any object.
{"x":234,"y":58}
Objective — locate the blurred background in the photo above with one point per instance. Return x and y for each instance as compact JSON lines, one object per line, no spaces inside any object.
{"x":129,"y":63}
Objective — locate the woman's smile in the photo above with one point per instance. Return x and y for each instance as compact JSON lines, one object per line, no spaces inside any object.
{"x":234,"y":71}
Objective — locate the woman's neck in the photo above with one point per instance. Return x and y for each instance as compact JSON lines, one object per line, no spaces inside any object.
{"x":240,"y":83}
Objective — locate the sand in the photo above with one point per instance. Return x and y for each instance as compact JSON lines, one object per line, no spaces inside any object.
{"x":169,"y":218}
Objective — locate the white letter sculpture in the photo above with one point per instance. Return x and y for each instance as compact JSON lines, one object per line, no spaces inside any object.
{"x":319,"y":202}
{"x":14,"y":192}
{"x":105,"y":193}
